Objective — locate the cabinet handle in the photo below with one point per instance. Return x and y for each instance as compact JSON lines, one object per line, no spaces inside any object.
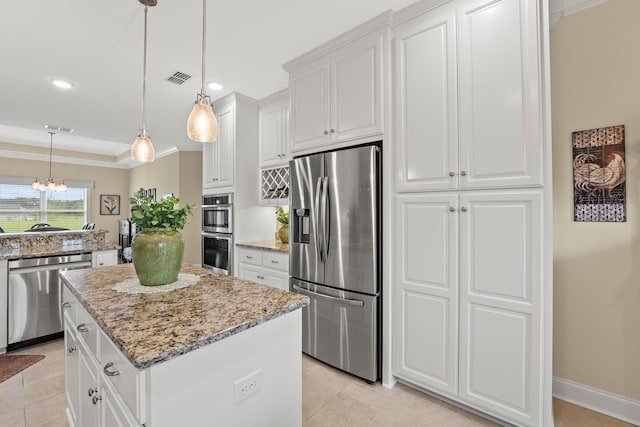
{"x":249,"y":257}
{"x":65,"y":305}
{"x":451,"y":174}
{"x":274,"y":261}
{"x":463,"y":173}
{"x":82,"y":328}
{"x":325,"y":132}
{"x":101,"y":264}
{"x":332,"y":131}
{"x":214,"y":179}
{"x":452,"y":209}
{"x":70,"y":350}
{"x":91,"y":391}
{"x":463,"y":209}
{"x":95,"y":399}
{"x":108,"y":372}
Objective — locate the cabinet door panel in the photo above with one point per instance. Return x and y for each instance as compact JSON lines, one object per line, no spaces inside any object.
{"x":500,"y":302}
{"x":500,"y":123}
{"x":250,"y":272}
{"x":356,"y":92}
{"x":271,"y":135}
{"x":208,"y":164}
{"x":425,"y":300}
{"x":71,"y":374}
{"x":425,"y":102}
{"x":277,"y":279}
{"x":87,"y":411}
{"x":226,"y":147}
{"x":309,"y":107}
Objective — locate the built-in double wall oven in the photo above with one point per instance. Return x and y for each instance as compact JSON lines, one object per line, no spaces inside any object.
{"x":217,"y":233}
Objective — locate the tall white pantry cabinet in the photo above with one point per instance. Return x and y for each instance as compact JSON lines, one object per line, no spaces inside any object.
{"x":471,"y":288}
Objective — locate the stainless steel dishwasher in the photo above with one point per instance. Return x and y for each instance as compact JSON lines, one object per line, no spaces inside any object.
{"x":35,"y":297}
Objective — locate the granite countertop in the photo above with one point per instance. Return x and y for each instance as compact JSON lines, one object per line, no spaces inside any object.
{"x":268,"y":245}
{"x":153,"y":328}
{"x":39,"y":244}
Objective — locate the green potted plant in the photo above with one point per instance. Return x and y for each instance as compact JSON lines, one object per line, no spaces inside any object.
{"x":157,"y":249}
{"x":283,"y":218}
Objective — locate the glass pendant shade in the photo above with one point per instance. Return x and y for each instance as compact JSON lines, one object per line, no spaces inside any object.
{"x":52,"y":184}
{"x":202,"y":125}
{"x":142,"y":149}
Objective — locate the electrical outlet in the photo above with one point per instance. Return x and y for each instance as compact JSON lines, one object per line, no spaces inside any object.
{"x":247,"y":386}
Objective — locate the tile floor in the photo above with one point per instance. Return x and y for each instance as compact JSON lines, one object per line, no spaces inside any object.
{"x":35,"y":398}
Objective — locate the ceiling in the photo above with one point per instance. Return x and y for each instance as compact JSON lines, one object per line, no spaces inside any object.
{"x":97,"y":45}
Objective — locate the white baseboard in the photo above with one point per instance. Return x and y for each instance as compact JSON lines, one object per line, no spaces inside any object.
{"x":607,"y":403}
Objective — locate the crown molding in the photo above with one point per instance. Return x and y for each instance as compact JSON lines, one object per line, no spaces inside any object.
{"x":558,"y":9}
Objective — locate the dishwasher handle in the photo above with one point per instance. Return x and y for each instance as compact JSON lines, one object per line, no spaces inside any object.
{"x":49,"y":267}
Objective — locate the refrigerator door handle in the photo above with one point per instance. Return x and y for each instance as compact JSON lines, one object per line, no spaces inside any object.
{"x":328,"y":297}
{"x":326,"y":226}
{"x":319,"y":234}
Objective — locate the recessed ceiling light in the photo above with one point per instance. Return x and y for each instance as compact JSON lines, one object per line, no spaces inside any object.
{"x":62,"y":84}
{"x":214,"y":86}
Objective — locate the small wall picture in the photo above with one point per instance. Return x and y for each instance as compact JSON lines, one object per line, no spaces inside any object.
{"x":109,"y":204}
{"x":599,"y":193}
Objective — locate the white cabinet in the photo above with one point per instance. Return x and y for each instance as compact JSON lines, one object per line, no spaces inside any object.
{"x":476,"y":257}
{"x":475,"y":123}
{"x":104,"y":258}
{"x":93,"y":397}
{"x":264,"y":267}
{"x":218,"y":157}
{"x":274,"y":130}
{"x":339,"y":96}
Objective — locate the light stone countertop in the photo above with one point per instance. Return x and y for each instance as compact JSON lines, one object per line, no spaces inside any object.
{"x":268,"y":245}
{"x":40,"y":244}
{"x":153,"y":328}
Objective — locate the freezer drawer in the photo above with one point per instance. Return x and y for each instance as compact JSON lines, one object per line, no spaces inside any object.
{"x":340,"y":328}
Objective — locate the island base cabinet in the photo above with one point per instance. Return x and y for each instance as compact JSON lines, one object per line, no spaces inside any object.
{"x":248,"y":379}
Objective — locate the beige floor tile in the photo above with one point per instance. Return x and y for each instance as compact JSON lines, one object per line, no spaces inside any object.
{"x":12,"y":416}
{"x":47,"y":412}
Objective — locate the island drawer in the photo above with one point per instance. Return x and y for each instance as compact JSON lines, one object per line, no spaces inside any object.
{"x":122,"y":375}
{"x":69,"y":304}
{"x":87,"y":328}
{"x":250,"y":256}
{"x":275,"y":260}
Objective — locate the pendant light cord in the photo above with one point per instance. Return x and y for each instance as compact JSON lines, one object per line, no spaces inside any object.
{"x":204,"y":39}
{"x":50,"y":154}
{"x":144,"y":74}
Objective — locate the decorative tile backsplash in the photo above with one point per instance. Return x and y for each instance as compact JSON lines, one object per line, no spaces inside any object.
{"x":275,"y":183}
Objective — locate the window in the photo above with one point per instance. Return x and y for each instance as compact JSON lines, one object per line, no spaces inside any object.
{"x":21,"y":207}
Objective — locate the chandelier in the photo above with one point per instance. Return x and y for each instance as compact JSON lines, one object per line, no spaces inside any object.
{"x":53,"y":184}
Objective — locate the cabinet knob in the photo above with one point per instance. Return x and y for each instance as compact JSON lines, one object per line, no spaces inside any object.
{"x":95,"y":399}
{"x":325,"y":132}
{"x":463,"y":209}
{"x":463,"y":173}
{"x":332,"y":131}
{"x":91,"y":391}
{"x":451,"y":174}
{"x":110,"y":371}
{"x":70,"y":350}
{"x":452,"y":209}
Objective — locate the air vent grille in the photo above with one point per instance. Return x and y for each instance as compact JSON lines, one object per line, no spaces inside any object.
{"x":179,"y":77}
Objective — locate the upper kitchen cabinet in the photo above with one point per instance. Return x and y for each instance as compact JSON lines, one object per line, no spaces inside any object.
{"x":237,"y":120}
{"x":336,"y":91}
{"x":475,"y":123}
{"x":274,"y":130}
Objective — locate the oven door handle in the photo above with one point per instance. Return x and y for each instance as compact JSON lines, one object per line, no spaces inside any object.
{"x":216,"y":236}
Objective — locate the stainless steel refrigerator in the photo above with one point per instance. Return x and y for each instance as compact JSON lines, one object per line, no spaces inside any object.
{"x":335,"y":256}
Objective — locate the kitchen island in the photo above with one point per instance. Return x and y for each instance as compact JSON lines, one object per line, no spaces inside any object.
{"x":223,"y":351}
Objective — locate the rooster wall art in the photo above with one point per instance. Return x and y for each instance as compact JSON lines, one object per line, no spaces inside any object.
{"x":599,"y":175}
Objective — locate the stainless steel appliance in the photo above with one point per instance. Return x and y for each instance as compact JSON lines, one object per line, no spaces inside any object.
{"x":35,"y":297}
{"x":217,"y":252}
{"x":217,"y":213}
{"x":335,"y":256}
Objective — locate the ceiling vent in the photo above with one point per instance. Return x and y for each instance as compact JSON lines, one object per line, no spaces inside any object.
{"x":56,"y":128}
{"x":179,"y":78}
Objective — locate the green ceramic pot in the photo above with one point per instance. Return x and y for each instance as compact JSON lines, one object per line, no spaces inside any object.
{"x":157,"y":256}
{"x":283,"y":234}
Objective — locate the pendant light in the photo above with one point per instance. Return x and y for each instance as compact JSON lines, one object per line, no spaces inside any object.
{"x":142,"y":148}
{"x":202,"y":125}
{"x":52,"y":184}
